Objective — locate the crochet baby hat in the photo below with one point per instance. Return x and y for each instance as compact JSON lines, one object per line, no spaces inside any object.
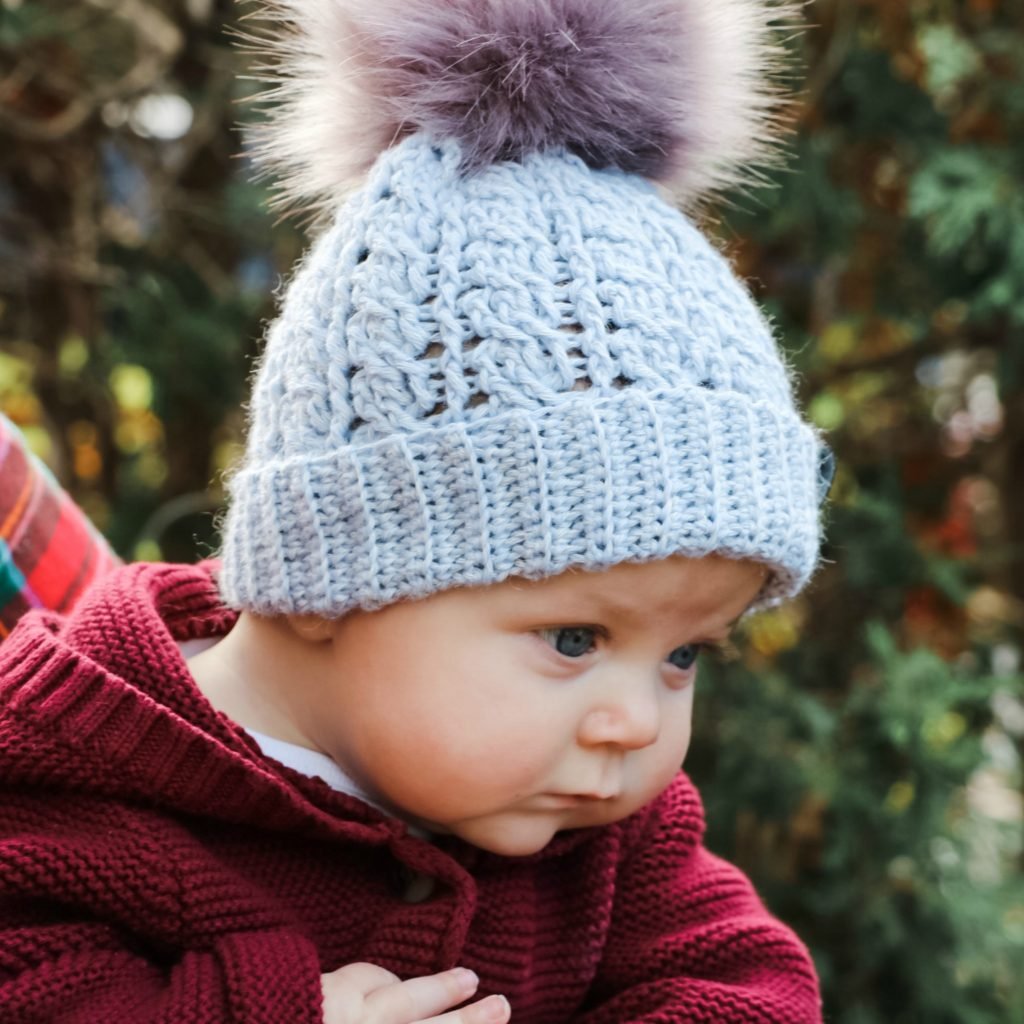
{"x":509,"y":354}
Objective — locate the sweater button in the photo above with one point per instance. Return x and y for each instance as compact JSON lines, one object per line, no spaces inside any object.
{"x":417,"y":888}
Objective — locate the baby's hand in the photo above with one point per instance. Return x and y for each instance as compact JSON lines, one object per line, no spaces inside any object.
{"x":366,"y":994}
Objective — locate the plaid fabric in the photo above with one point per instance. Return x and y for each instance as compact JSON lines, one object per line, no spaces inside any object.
{"x":49,"y":551}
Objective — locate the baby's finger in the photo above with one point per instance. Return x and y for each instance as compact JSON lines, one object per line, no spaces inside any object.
{"x":492,"y":1010}
{"x":420,"y":998}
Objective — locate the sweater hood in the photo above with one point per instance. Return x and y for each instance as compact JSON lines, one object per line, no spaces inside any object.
{"x":102,"y":702}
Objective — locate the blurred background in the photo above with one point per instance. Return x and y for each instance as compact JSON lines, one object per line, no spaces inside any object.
{"x":862,"y":758}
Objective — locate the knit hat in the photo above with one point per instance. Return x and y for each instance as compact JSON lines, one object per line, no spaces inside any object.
{"x":509,"y":353}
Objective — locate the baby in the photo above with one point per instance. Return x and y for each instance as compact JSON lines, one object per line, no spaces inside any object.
{"x":521,"y":449}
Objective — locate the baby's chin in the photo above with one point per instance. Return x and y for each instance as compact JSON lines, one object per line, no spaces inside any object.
{"x":522,"y":832}
{"x":514,"y":834}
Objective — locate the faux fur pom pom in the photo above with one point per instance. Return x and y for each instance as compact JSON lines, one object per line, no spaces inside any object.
{"x":682,"y":91}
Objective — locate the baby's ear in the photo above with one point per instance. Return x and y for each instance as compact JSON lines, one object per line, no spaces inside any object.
{"x":314,"y":629}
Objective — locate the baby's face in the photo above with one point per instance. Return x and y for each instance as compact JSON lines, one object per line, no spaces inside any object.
{"x":506,"y":713}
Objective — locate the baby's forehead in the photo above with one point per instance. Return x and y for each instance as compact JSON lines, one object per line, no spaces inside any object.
{"x":676,"y":585}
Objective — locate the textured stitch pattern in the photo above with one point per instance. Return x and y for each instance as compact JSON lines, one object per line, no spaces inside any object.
{"x":154,"y":866}
{"x":534,"y":367}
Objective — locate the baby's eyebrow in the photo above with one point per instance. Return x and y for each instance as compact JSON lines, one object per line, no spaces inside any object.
{"x":727,"y":632}
{"x":613,"y":607}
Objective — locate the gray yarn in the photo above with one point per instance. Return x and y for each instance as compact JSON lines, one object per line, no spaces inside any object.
{"x":535,"y":367}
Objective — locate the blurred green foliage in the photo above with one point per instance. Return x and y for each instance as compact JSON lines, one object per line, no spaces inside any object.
{"x":863,"y":760}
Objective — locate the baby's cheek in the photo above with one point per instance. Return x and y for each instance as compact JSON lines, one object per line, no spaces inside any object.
{"x":446,"y":753}
{"x":656,"y":767}
{"x":506,"y":719}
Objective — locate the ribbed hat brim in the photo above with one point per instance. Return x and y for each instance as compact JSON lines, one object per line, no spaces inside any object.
{"x":589,"y":482}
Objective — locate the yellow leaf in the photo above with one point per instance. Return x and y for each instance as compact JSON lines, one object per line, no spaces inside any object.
{"x":899,"y":797}
{"x":132,"y":386}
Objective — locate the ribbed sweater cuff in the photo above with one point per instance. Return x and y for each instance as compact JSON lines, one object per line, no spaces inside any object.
{"x":271,"y":978}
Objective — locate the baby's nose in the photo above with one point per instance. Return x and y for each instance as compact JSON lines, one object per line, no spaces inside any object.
{"x":631,"y":720}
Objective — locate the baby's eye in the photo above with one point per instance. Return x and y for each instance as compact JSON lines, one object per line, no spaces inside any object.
{"x":684,"y":657}
{"x":572,"y":641}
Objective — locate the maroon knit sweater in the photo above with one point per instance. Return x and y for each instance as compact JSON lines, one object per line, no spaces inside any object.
{"x":155,"y":866}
